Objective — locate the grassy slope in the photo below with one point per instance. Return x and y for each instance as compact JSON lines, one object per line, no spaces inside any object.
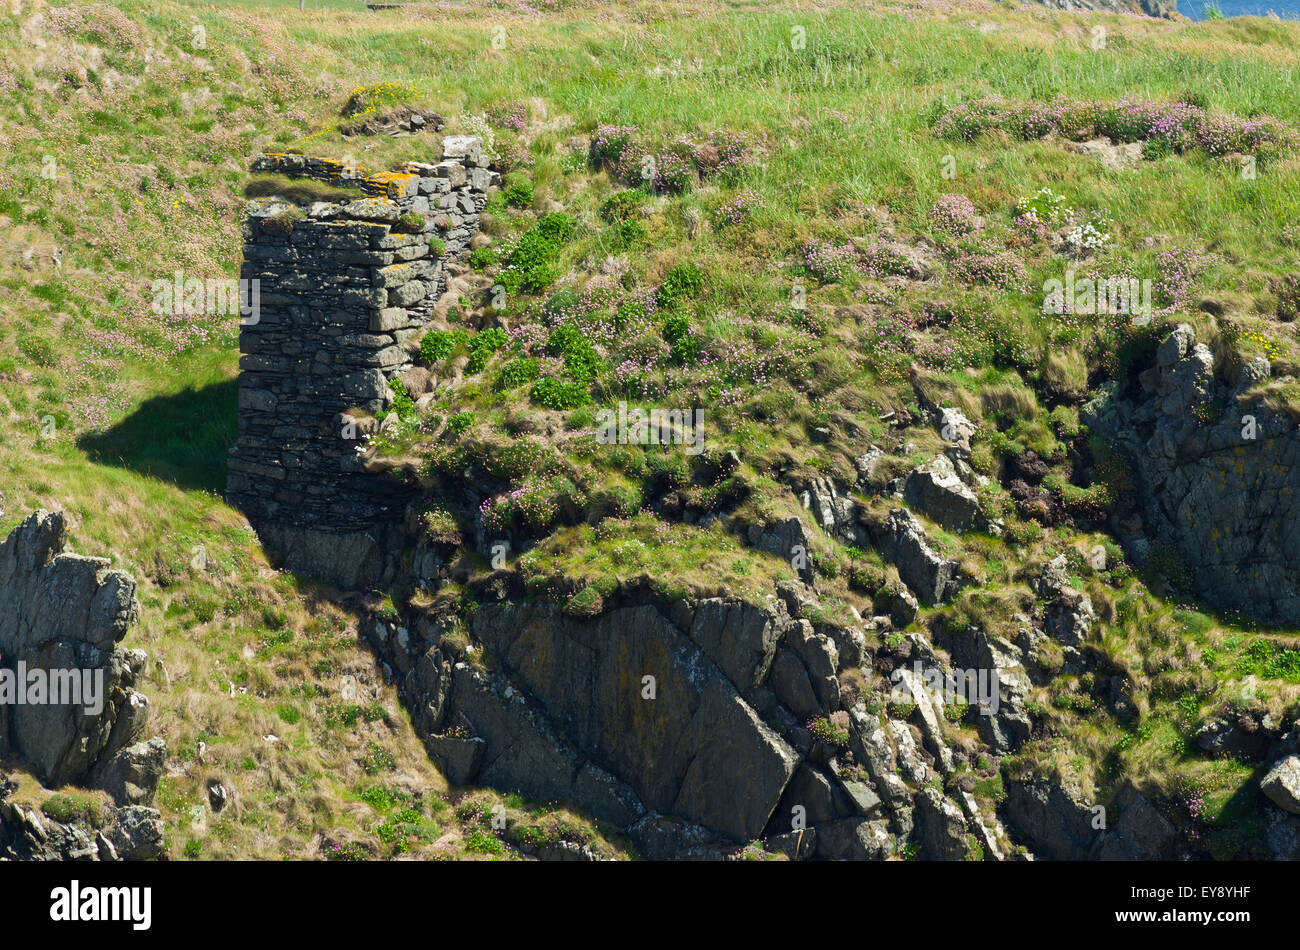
{"x":150,"y":161}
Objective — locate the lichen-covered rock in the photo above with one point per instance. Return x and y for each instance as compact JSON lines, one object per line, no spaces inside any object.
{"x":131,"y":776}
{"x":944,"y":835}
{"x":136,"y":833}
{"x":1070,"y":617}
{"x":835,"y":512}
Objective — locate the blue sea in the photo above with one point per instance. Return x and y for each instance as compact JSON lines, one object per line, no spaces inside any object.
{"x":1286,"y":9}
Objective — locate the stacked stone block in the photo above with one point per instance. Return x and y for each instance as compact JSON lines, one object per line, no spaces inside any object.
{"x":344,"y":291}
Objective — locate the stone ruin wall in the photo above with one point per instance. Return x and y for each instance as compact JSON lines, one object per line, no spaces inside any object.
{"x":344,"y":291}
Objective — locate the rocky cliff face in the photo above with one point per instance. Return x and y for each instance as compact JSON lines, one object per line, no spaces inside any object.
{"x":65,"y":616}
{"x":1218,"y":476}
{"x":694,"y":726}
{"x":29,"y":833}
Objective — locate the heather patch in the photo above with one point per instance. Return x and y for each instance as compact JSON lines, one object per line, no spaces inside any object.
{"x":954,"y":214}
{"x":1175,"y":127}
{"x":672,"y":165}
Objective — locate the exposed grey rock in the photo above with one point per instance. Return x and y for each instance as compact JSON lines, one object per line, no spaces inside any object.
{"x":1054,"y":819}
{"x":854,"y":839}
{"x":873,"y":749}
{"x":954,"y":427}
{"x":1281,"y":784}
{"x":943,"y":827}
{"x":1062,"y":826}
{"x":1215,"y":471}
{"x":752,"y":757}
{"x":739,"y":637}
{"x":131,"y":776}
{"x":820,"y":658}
{"x":815,"y":796}
{"x":867,"y":464}
{"x":1140,"y":832}
{"x":1220,"y":735}
{"x":863,"y":798}
{"x":933,"y":578}
{"x":1282,"y":834}
{"x":1070,"y":617}
{"x":935,"y":488}
{"x":927,"y":716}
{"x":667,"y":838}
{"x":458,"y":758}
{"x":1113,"y":155}
{"x":1054,"y":575}
{"x":1009,"y":726}
{"x":1121,"y":699}
{"x":137,"y":833}
{"x":66,"y":613}
{"x":790,"y":682}
{"x":795,"y":845}
{"x":350,"y":561}
{"x":899,"y":602}
{"x":131,"y":833}
{"x":836,"y":513}
{"x":697,"y":750}
{"x":788,"y":541}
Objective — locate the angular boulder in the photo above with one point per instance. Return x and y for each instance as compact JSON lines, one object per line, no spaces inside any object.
{"x":935,"y":488}
{"x":64,"y":615}
{"x":1281,"y":784}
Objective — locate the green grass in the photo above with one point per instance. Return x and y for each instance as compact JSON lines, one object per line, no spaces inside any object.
{"x":123,"y":417}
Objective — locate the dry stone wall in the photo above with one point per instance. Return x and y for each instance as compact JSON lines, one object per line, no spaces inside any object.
{"x":344,"y":291}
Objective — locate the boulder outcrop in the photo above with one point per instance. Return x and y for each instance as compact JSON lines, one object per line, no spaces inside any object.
{"x":65,"y":616}
{"x":29,"y":833}
{"x":690,"y":725}
{"x":1281,"y":784}
{"x":1217,"y":471}
{"x":903,"y":542}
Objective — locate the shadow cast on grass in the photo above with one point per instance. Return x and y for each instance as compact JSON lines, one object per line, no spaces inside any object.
{"x":181,"y":438}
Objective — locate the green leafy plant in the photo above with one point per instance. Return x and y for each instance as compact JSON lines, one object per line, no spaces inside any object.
{"x":482,"y":345}
{"x":518,"y":190}
{"x":437,"y":345}
{"x":622,"y":204}
{"x":556,"y":394}
{"x":517,"y":372}
{"x":683,"y":281}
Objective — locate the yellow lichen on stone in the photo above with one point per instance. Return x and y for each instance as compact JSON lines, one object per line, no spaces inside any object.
{"x":393,"y":183}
